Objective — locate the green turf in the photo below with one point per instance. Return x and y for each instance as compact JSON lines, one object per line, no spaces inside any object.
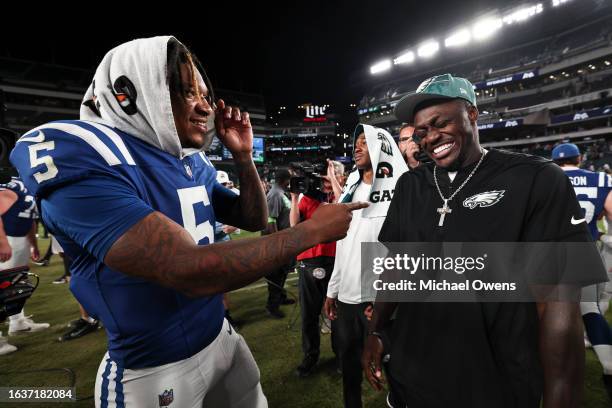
{"x":275,"y":345}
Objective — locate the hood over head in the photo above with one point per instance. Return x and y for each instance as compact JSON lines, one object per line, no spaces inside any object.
{"x":387,"y":164}
{"x":131,"y":92}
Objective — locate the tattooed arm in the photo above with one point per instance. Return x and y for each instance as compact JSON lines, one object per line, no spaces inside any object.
{"x":249,"y":210}
{"x":158,"y":249}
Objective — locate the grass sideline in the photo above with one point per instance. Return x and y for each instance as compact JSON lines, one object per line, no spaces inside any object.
{"x":275,"y":345}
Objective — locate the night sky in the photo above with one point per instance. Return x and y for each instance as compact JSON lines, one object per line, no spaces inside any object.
{"x":291,"y":52}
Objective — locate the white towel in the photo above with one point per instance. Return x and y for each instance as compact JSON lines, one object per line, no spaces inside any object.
{"x":131,"y":92}
{"x":388,"y":165}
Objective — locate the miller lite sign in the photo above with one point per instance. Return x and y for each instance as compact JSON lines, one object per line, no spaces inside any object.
{"x":315,"y":113}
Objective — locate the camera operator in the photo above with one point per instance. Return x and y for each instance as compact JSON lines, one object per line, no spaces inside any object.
{"x":315,"y":265}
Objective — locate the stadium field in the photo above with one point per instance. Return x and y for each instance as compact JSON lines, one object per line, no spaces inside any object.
{"x":41,"y":360}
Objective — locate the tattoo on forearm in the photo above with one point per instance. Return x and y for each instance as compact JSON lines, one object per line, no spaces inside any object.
{"x":158,"y":249}
{"x":152,"y":249}
{"x":244,"y":261}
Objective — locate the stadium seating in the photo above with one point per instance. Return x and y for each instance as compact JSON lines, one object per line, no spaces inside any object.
{"x":530,"y":96}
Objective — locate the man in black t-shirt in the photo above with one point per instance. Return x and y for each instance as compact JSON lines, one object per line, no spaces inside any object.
{"x":478,"y":354}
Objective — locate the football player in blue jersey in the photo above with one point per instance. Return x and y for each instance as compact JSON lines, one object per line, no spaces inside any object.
{"x":133,"y":200}
{"x":593,"y":193}
{"x":17,"y":245}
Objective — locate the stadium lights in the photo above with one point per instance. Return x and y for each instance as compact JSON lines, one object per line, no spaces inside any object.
{"x":405,"y":58}
{"x":523,"y":14}
{"x":458,"y":38}
{"x":485,"y":28}
{"x":481,"y":30}
{"x":556,"y":3}
{"x":428,"y":49}
{"x":380,"y":67}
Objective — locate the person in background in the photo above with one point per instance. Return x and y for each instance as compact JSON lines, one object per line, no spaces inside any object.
{"x":315,"y":265}
{"x":279,"y":208}
{"x":408,"y":147}
{"x":593,"y":191}
{"x":264,"y":184}
{"x":85,"y":324}
{"x":56,"y":249}
{"x":17,"y":245}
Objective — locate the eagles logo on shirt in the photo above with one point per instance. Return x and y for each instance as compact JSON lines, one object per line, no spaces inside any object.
{"x":384,"y":170}
{"x":385,"y":146}
{"x":486,"y":199}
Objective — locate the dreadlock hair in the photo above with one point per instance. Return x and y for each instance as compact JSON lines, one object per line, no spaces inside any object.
{"x":179,"y":55}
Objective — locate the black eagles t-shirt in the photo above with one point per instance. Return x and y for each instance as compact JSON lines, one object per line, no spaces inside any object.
{"x":477,"y":354}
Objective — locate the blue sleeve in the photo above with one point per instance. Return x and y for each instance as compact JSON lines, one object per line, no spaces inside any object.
{"x":63,"y":152}
{"x":223,"y":201}
{"x":94,"y":212}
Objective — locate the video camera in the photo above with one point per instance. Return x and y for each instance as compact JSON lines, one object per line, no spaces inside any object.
{"x":16,"y":287}
{"x":307,"y":178}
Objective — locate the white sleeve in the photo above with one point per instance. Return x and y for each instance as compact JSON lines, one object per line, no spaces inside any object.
{"x":333,"y":287}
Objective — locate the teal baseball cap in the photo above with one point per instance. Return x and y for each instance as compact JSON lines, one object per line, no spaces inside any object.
{"x":438,"y":87}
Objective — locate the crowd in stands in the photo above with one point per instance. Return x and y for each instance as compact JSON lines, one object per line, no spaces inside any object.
{"x":597,"y":155}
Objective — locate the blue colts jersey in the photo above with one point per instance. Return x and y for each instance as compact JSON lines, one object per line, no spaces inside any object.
{"x":93,"y":183}
{"x":18,"y":219}
{"x":591,"y":190}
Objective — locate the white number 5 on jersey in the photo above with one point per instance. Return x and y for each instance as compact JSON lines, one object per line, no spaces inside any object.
{"x":35,"y":160}
{"x":188,"y":197}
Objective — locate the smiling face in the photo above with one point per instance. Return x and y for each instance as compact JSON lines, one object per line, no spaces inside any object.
{"x":191,"y":108}
{"x":447,"y":132}
{"x":362,"y":156}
